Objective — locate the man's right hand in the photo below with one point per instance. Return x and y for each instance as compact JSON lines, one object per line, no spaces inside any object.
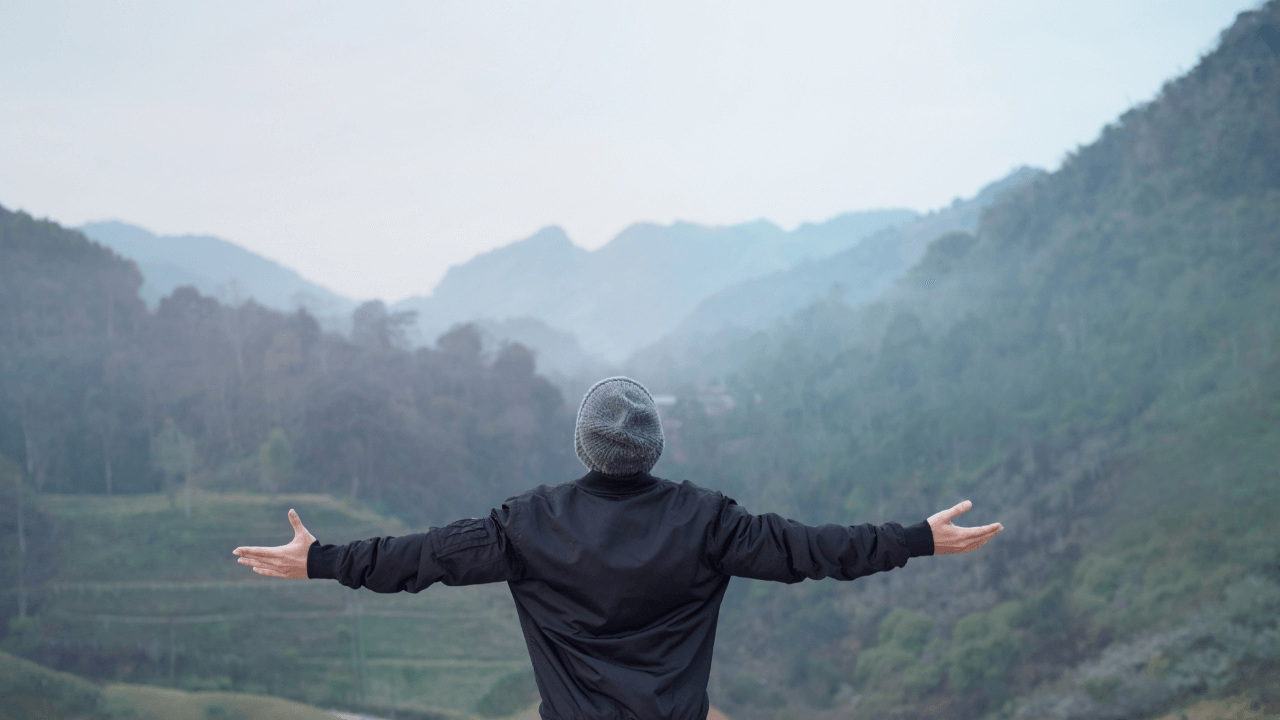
{"x":949,"y":539}
{"x":283,"y":561}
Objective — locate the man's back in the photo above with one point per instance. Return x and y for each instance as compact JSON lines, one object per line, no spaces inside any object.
{"x":615,"y":598}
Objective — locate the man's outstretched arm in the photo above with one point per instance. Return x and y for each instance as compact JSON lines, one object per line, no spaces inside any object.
{"x":768,"y":547}
{"x":467,"y":552}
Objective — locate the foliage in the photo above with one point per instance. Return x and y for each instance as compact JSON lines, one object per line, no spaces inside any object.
{"x":1209,"y":650}
{"x":1096,"y":367}
{"x":101,"y":395}
{"x":147,"y":596}
{"x":902,"y":636}
{"x":275,"y":459}
{"x":906,"y":629}
{"x":29,"y":690}
{"x":984,"y":646}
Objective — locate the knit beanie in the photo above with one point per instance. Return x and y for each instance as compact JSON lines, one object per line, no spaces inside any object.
{"x":618,"y":430}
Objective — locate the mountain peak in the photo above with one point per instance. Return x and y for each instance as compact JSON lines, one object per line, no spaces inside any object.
{"x":551,"y":236}
{"x":214,"y":266}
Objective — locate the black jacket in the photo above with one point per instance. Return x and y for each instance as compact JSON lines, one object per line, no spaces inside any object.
{"x":618,"y":581}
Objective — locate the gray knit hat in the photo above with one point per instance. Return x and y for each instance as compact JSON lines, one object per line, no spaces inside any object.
{"x":618,"y":430}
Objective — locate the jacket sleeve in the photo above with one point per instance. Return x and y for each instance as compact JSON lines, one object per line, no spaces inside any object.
{"x":467,"y":552}
{"x":768,"y":547}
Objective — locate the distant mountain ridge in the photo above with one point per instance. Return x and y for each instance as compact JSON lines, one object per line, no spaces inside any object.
{"x":857,"y":275}
{"x":215,"y":267}
{"x":607,"y":297}
{"x":579,"y":310}
{"x":863,"y":271}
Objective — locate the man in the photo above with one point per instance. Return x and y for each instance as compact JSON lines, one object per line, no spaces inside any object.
{"x":617,"y":576}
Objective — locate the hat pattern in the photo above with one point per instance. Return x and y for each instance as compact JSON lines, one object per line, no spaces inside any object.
{"x":618,"y":431}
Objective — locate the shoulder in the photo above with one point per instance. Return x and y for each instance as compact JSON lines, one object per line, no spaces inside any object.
{"x":685,"y":492}
{"x":538,"y":495}
{"x":693,"y":490}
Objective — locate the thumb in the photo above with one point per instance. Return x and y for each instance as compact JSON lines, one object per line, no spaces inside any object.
{"x":960,"y":508}
{"x":296,"y":522}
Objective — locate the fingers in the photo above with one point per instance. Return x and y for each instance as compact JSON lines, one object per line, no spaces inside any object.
{"x":960,"y":508}
{"x":275,"y":569}
{"x":261,"y":552}
{"x":973,"y":534}
{"x":987,"y":530}
{"x":977,"y":537}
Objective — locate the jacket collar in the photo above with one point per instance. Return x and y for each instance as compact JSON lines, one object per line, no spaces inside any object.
{"x":597,"y":483}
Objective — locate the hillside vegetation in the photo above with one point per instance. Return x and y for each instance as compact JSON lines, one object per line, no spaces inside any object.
{"x":147,"y":595}
{"x":31,"y":691}
{"x":1097,"y":367}
{"x":99,"y":394}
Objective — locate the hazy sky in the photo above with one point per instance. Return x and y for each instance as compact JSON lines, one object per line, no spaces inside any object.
{"x":373,"y":145}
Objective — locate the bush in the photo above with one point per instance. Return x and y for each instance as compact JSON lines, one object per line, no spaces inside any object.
{"x":877,"y":663}
{"x":920,"y":678}
{"x":906,"y":629}
{"x":983,"y":647}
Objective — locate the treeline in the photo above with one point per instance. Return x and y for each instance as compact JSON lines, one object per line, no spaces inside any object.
{"x":101,"y":395}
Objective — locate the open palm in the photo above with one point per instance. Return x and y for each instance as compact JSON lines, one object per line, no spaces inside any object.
{"x":948,"y":538}
{"x":282,"y":561}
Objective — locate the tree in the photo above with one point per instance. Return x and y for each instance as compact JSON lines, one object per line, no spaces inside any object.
{"x":275,"y":460}
{"x":173,"y":453}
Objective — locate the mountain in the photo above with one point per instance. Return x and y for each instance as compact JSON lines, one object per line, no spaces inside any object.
{"x":215,"y":267}
{"x":863,"y":271}
{"x":1097,"y":367}
{"x":856,"y":275}
{"x":634,"y":289}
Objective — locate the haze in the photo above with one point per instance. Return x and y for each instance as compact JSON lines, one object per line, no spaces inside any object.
{"x":372,"y":148}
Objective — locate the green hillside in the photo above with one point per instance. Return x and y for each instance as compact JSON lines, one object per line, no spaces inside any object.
{"x":1097,"y":367}
{"x":30,"y":691}
{"x":145,"y":595}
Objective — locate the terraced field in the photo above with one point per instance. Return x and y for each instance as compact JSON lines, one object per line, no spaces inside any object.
{"x":144,"y":594}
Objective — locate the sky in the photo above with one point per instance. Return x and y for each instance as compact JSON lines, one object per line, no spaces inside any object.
{"x":370,"y":146}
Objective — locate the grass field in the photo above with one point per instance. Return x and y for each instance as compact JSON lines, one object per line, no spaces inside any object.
{"x":144,"y":594}
{"x":28,"y":690}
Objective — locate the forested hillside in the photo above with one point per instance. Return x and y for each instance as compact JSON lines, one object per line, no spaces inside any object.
{"x":102,"y":396}
{"x":1097,"y":367}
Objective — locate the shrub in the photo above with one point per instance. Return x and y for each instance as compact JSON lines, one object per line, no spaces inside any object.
{"x":983,"y":647}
